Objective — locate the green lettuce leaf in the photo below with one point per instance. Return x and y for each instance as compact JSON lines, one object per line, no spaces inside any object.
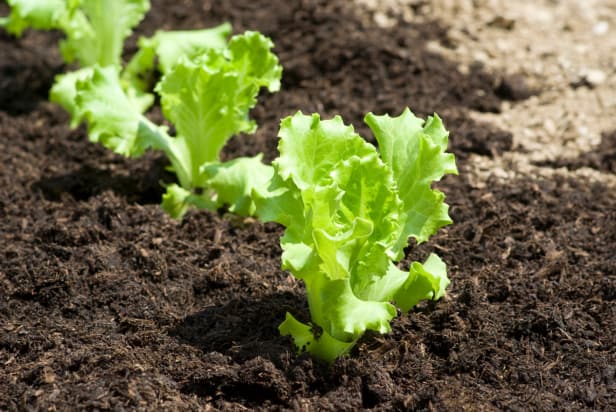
{"x":325,"y":347}
{"x":208,"y":99}
{"x":167,"y":47}
{"x":250,"y":55}
{"x":229,"y":185}
{"x":234,"y":181}
{"x":278,"y":202}
{"x":64,"y":92}
{"x":37,"y":14}
{"x":310,"y":149}
{"x":347,"y":209}
{"x":416,"y":155}
{"x":97,"y":29}
{"x":114,"y":120}
{"x":425,"y":282}
{"x":177,"y":200}
{"x":206,"y":107}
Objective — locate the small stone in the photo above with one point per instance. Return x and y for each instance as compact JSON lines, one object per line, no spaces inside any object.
{"x":594,"y":77}
{"x":464,"y":69}
{"x":480,"y":56}
{"x":550,"y":127}
{"x":502,"y":22}
{"x":48,"y":375}
{"x":499,"y":172}
{"x":513,"y":88}
{"x":384,"y":21}
{"x":601,"y":28}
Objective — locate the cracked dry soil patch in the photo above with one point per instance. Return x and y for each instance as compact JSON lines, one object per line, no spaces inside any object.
{"x":106,"y":303}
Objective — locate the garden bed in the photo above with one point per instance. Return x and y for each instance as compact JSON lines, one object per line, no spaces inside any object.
{"x":107,"y":303}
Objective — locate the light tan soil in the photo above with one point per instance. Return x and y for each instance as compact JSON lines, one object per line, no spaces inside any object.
{"x":564,"y":51}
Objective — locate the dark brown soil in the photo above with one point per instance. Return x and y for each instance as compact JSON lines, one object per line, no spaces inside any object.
{"x":107,"y":303}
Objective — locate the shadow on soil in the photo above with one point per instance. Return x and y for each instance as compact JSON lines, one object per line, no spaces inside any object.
{"x":88,"y":181}
{"x":27,"y":70}
{"x":240,"y":328}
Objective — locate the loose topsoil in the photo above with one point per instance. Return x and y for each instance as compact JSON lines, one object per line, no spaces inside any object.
{"x":108,"y":304}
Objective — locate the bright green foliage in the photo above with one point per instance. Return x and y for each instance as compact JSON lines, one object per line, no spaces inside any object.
{"x":114,"y":120}
{"x":348,"y":212}
{"x":64,"y":92}
{"x":42,"y":15}
{"x":233,"y":182}
{"x":416,"y":163}
{"x":167,"y":47}
{"x":208,"y":99}
{"x":207,"y":90}
{"x":95,"y":29}
{"x":95,"y":32}
{"x":228,"y":184}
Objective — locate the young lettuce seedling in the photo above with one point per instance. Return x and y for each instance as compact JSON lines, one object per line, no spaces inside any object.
{"x":167,"y":47}
{"x":349,"y":211}
{"x":95,"y":32}
{"x":208,"y":98}
{"x":95,"y":29}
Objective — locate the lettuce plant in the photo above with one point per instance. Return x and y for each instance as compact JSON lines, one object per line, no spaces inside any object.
{"x":163,"y":50}
{"x":349,"y":211}
{"x":95,"y":32}
{"x":166,"y":47}
{"x":95,"y":29}
{"x":207,"y":98}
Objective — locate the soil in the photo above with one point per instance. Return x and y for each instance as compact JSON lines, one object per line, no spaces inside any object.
{"x":108,"y":304}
